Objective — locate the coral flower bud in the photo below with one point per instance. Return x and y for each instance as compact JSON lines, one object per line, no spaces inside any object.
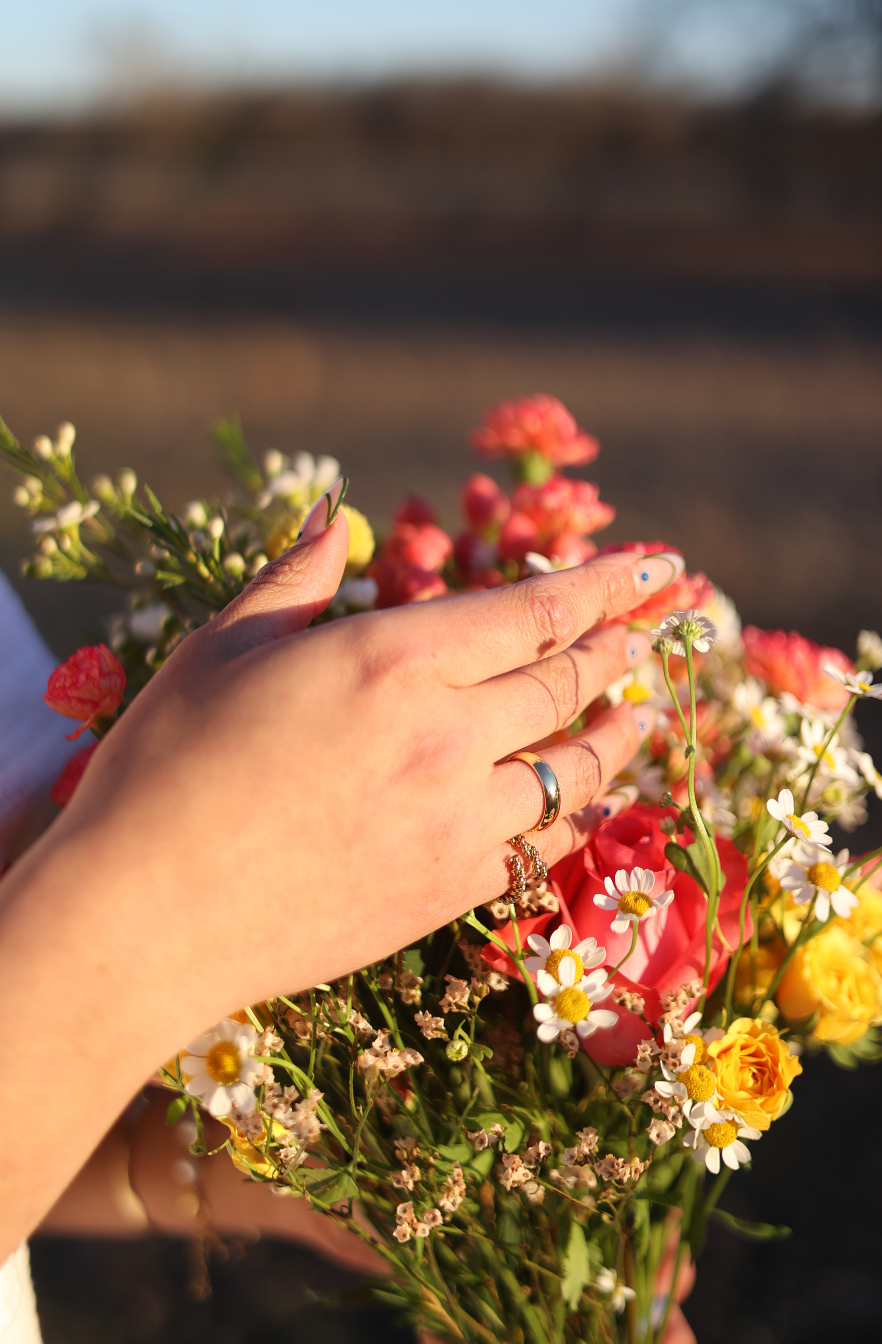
{"x":89,"y":686}
{"x":484,"y":504}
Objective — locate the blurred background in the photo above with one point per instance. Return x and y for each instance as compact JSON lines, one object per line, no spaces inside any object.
{"x":359,"y":225}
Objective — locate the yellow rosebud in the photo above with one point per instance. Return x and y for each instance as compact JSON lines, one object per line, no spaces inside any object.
{"x":361,"y":537}
{"x":865,"y":921}
{"x":754,"y":1071}
{"x":835,"y":976}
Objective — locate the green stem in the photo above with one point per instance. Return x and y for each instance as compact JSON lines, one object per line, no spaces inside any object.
{"x":859,"y":863}
{"x":516,"y":956}
{"x":629,"y":952}
{"x":742,"y":917}
{"x":801,"y":938}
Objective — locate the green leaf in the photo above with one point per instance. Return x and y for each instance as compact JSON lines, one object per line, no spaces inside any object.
{"x":155,"y":504}
{"x":741,"y":1227}
{"x":412,"y":960}
{"x":482,"y":1162}
{"x":456,"y":1152}
{"x":576,"y":1266}
{"x":866,"y":1050}
{"x":175,"y":1110}
{"x":680,"y":858}
{"x":331,"y":1186}
{"x":169,"y":579}
{"x":235,"y":453}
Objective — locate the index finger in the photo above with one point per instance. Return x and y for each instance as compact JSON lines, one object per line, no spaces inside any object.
{"x":504,"y":628}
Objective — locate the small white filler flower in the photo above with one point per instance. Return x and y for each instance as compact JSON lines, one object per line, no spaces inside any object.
{"x":612,"y":1287}
{"x":805,"y":827}
{"x":223,"y":1068}
{"x":812,"y":876}
{"x":860,"y":683}
{"x":717,"y":1134}
{"x":690,"y":625}
{"x":572,"y":1006}
{"x":553,"y":952}
{"x":631,"y":897}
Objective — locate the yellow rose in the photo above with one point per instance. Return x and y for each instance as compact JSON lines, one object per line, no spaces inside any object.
{"x":754,"y":975}
{"x":835,"y":976}
{"x":866,"y":920}
{"x":361,"y":538}
{"x":245,"y":1156}
{"x":754,"y":1070}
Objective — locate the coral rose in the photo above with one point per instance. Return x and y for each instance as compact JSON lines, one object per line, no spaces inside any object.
{"x":754,"y":1070}
{"x":791,"y":663}
{"x":89,"y":686}
{"x":539,"y":425}
{"x":65,"y":785}
{"x":833,"y":976}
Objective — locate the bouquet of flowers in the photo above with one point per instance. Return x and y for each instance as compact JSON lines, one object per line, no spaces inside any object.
{"x":531,"y":1115}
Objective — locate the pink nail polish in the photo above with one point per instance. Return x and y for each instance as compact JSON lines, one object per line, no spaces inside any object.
{"x":323,"y":512}
{"x":654,"y":572}
{"x":638,"y":647}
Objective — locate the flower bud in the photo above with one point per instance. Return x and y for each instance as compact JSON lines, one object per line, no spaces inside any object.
{"x":128,"y":482}
{"x":257,"y":562}
{"x":64,"y":438}
{"x":145,"y":569}
{"x":234,"y":564}
{"x":102,"y":487}
{"x":195,"y":515}
{"x":457,"y":1049}
{"x":49,"y":546}
{"x":21,"y":497}
{"x":216,"y":527}
{"x":34,"y":486}
{"x":43,"y":447}
{"x":273,"y":462}
{"x":89,"y":686}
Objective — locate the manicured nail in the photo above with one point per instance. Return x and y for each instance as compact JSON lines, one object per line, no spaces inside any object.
{"x":617,"y":800}
{"x":323,"y":512}
{"x":638,"y":648}
{"x":644,"y":717}
{"x":654,"y":572}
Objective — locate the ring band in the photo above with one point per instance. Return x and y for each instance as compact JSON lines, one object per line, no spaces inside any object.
{"x":550,"y":787}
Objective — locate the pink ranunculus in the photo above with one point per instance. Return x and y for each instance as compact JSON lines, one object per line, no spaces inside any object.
{"x":791,"y":663}
{"x":89,"y":686}
{"x":563,"y":505}
{"x":65,"y":785}
{"x":485,"y":505}
{"x":670,"y":948}
{"x":690,"y":590}
{"x":519,"y":534}
{"x":420,"y":544}
{"x":539,"y":424}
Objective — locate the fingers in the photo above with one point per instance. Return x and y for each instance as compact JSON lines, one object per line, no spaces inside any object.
{"x":584,"y":765}
{"x":535,"y":701}
{"x":485,"y":634}
{"x":288,"y":592}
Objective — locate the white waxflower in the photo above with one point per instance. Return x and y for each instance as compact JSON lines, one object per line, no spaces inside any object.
{"x":553,"y":952}
{"x":805,"y":827}
{"x":812,"y":876}
{"x":612,"y":1287}
{"x":869,"y":650}
{"x":630,"y":896}
{"x":303,"y":482}
{"x":717,"y":1134}
{"x":572,"y":1006}
{"x":222,"y":1068}
{"x":69,"y":515}
{"x":860,"y":683}
{"x":681,"y":624}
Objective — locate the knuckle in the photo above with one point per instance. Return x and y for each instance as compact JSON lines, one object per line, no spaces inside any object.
{"x":614,"y":587}
{"x":562,"y":680}
{"x":551,"y":614}
{"x":585,"y":772}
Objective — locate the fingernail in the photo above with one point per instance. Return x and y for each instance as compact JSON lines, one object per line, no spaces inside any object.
{"x":644,"y":717}
{"x":639,"y":647}
{"x":323,"y":512}
{"x":654,"y":572}
{"x":617,"y":800}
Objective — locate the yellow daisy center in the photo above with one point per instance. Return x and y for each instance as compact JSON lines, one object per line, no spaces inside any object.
{"x":552,"y":964}
{"x":799,"y":825}
{"x":700,"y":1047}
{"x":634,"y":903}
{"x":825,"y":876}
{"x":572,"y":1005}
{"x":636,"y":693}
{"x":699,"y":1082}
{"x":721,"y":1134}
{"x":223,"y":1062}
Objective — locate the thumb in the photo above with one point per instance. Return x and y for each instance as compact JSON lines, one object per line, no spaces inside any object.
{"x":289,"y":591}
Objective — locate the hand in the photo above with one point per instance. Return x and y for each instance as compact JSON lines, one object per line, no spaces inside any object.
{"x":282,"y":805}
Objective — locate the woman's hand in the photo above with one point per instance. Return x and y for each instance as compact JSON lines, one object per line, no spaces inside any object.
{"x":282,"y":805}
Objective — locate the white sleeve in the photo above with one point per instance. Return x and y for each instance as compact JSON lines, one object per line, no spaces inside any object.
{"x":33,"y":746}
{"x":18,"y":1310}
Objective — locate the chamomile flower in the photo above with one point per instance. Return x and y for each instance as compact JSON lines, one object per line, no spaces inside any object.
{"x":223,"y":1068}
{"x":717,"y":1134}
{"x":612,"y":1287}
{"x":689,"y":624}
{"x":552,"y":953}
{"x":870,"y":773}
{"x":572,"y":1006}
{"x":762,"y":712}
{"x":630,"y":896}
{"x":806,"y":827}
{"x":691,"y":1083}
{"x":814,"y":747}
{"x":860,"y":683}
{"x":812,"y":876}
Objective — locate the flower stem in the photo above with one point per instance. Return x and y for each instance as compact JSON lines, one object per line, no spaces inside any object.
{"x":629,"y":952}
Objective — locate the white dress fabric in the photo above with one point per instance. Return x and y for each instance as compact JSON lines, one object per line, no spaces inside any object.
{"x":33,"y":751}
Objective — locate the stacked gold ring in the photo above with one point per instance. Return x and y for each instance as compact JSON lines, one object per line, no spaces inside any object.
{"x":550,"y":786}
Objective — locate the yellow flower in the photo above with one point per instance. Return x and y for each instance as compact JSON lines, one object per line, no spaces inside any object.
{"x":754,"y":1071}
{"x":834,"y":976}
{"x":246,"y":1157}
{"x":754,"y":975}
{"x":361,"y":538}
{"x":866,"y":920}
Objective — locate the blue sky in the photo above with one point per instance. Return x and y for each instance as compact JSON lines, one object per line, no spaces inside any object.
{"x":62,"y":54}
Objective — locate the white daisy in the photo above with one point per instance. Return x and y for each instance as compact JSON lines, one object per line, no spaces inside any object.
{"x":869,"y":649}
{"x":812,"y":876}
{"x":718,"y":1134}
{"x":222,"y":1068}
{"x":806,"y":827}
{"x":860,"y":683}
{"x":762,"y":713}
{"x":868,"y":769}
{"x":631,"y":897}
{"x":612,"y":1287}
{"x":834,"y":762}
{"x":572,"y":1006}
{"x":691,"y":1083}
{"x":682,"y":624}
{"x":553,"y":952}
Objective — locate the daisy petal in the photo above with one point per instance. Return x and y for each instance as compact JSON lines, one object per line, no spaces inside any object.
{"x":546,"y":983}
{"x":603,"y":1017}
{"x":540,"y":945}
{"x":712,"y":1161}
{"x":548,"y":1031}
{"x":544,"y":1012}
{"x":561,"y":938}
